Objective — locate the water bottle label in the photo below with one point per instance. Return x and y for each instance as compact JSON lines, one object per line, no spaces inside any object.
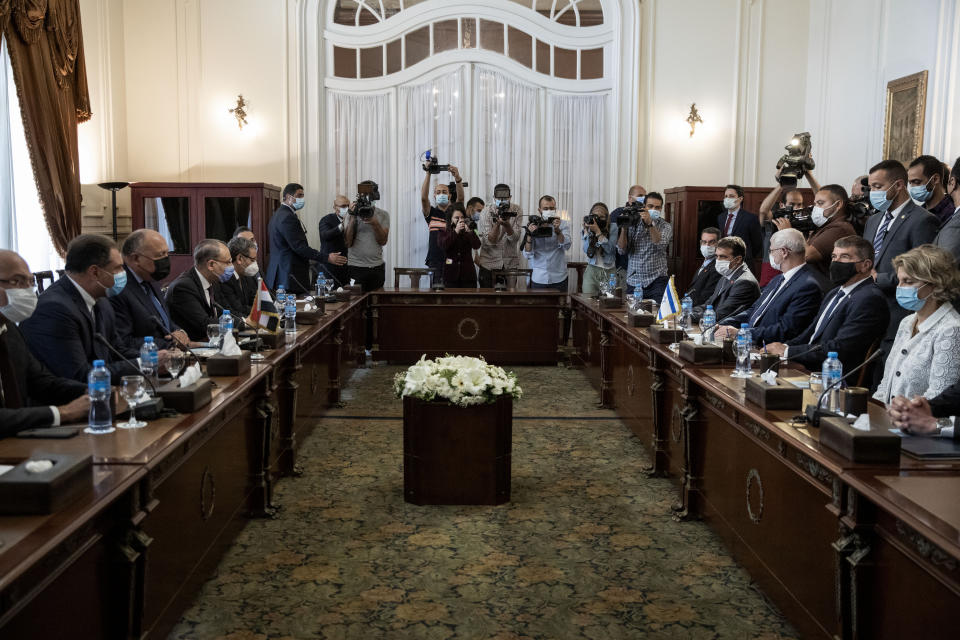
{"x":99,"y":385}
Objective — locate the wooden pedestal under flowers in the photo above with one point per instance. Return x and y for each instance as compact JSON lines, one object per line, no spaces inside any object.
{"x":457,"y":431}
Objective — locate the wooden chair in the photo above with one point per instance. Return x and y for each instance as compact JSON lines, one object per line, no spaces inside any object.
{"x":866,"y":374}
{"x":503,"y":275}
{"x":40,"y":277}
{"x":419,"y":273}
{"x":580,"y":267}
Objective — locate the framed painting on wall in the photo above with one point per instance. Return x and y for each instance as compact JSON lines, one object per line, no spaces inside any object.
{"x":903,"y":127}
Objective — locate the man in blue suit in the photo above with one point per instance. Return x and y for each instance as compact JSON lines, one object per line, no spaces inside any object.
{"x":853,"y":316}
{"x":789,"y":302}
{"x":62,"y":330}
{"x":290,"y":255}
{"x":740,"y":223}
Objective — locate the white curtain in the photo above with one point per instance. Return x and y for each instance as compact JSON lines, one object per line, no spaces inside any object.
{"x":430,"y":117}
{"x":578,"y":158}
{"x":8,"y":227}
{"x":507,"y":135}
{"x":362,"y":152}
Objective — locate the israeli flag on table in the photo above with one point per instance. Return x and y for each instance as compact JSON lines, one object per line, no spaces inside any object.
{"x":670,"y":305}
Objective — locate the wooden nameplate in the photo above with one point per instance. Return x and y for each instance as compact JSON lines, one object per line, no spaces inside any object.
{"x":22,"y":492}
{"x":189,"y":398}
{"x":779,"y":396}
{"x":640,"y":319}
{"x":871,"y":447}
{"x":219,"y":365}
{"x":659,"y":335}
{"x":701,"y":353}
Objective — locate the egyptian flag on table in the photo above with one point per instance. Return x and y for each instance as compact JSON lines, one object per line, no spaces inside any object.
{"x":670,"y":305}
{"x":264,"y":312}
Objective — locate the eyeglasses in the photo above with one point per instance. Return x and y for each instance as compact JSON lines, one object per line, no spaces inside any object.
{"x":21,"y":282}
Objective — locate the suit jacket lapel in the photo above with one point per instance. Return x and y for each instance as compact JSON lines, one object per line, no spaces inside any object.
{"x":895,"y":225}
{"x":203,"y":296}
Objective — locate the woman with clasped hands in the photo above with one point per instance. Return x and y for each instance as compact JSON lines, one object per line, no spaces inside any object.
{"x":925,"y":357}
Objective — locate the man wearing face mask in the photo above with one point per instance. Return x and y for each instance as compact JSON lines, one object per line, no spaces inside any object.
{"x":926,"y":177}
{"x":737,"y":289}
{"x":791,"y":198}
{"x":830,"y":215}
{"x":436,"y":217}
{"x":30,"y":396}
{"x":548,"y":255}
{"x":786,"y":305}
{"x":637,"y":194}
{"x":499,"y":237}
{"x":852,"y":317}
{"x":898,"y":226}
{"x":333,"y":243}
{"x":740,"y":223}
{"x":196,"y":299}
{"x":61,"y":331}
{"x":949,"y":235}
{"x":645,"y":244}
{"x":290,"y":254}
{"x":140,"y":305}
{"x":705,"y":280}
{"x":240,"y":290}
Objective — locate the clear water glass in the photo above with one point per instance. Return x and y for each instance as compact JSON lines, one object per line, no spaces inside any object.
{"x":213,"y":335}
{"x":175,"y":360}
{"x":816,"y":383}
{"x":133,"y":387}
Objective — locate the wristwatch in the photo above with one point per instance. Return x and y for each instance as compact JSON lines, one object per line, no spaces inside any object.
{"x":943,"y":423}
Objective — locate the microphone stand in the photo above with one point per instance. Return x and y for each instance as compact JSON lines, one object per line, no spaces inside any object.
{"x":154,"y":405}
{"x":182,"y":345}
{"x":795,"y":355}
{"x":815,"y":413}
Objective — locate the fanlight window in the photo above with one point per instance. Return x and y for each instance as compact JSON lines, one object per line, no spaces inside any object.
{"x":575,"y":13}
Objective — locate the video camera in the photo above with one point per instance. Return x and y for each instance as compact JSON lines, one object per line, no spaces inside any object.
{"x":432,"y":166}
{"x":544,"y":226}
{"x":799,"y":219}
{"x":630,"y":214}
{"x":797,"y":161}
{"x":367,"y":193}
{"x":859,"y":207}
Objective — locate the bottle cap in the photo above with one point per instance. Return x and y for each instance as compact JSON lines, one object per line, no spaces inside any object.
{"x":99,"y":363}
{"x":148,"y":339}
{"x":226,"y":312}
{"x":831,"y":354}
{"x":710,"y":307}
{"x":744,"y":325}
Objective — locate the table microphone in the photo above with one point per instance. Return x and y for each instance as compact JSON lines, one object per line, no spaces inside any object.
{"x":815,"y":413}
{"x":182,"y":345}
{"x":149,"y":409}
{"x":810,"y":349}
{"x":300,"y":284}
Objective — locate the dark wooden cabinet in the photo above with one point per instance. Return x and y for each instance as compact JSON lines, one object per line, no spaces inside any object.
{"x":692,"y":209}
{"x":188,"y":212}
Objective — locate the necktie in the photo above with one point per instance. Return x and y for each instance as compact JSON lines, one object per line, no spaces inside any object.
{"x":726,"y":227}
{"x":881,"y":232}
{"x":827,"y":313}
{"x":9,"y":389}
{"x":766,"y":303}
{"x":156,"y":304}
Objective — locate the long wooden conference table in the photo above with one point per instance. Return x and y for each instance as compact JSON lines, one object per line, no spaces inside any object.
{"x":845,"y":550}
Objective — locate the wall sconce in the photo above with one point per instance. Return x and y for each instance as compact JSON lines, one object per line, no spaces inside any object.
{"x":240,"y":111}
{"x":693,"y":118}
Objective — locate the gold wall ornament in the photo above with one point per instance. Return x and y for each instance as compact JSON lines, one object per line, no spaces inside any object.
{"x":240,"y":111}
{"x":694,"y":118}
{"x":903,"y":124}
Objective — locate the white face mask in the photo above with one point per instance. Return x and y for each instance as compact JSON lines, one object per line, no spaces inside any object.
{"x":729,"y":203}
{"x":20,"y":304}
{"x":344,"y":211}
{"x":722,"y":267}
{"x":252,"y":269}
{"x":773,"y":261}
{"x":818,"y":217}
{"x":707,"y":251}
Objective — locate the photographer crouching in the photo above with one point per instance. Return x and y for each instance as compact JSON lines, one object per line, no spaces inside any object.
{"x":600,"y":245}
{"x":458,"y":241}
{"x":366,"y":231}
{"x":545,"y":245}
{"x":499,"y":230}
{"x":644,"y":237}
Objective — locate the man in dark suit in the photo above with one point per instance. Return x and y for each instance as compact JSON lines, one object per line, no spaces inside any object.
{"x":705,"y":280}
{"x":949,"y":235}
{"x":239,"y":291}
{"x":740,"y":223}
{"x":290,"y":255}
{"x":61,"y":332}
{"x":30,"y":396}
{"x":852,"y":318}
{"x":898,"y":226}
{"x":333,"y":244}
{"x":737,"y":288}
{"x":194,"y":299}
{"x":140,"y":306}
{"x":788,"y":302}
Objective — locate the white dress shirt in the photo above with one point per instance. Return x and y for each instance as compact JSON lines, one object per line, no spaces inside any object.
{"x":205,"y":284}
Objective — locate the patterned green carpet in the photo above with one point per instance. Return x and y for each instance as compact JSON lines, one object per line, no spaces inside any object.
{"x":586,"y":548}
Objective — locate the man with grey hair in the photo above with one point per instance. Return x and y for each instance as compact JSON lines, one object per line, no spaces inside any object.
{"x":789,"y":302}
{"x":195,"y":298}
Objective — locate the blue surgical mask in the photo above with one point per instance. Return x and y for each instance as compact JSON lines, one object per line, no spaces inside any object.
{"x":227,"y":274}
{"x":654,"y":214}
{"x":879,"y":200}
{"x":909,"y":299}
{"x":500,"y":203}
{"x":119,"y":282}
{"x":298,"y":204}
{"x":920,"y":193}
{"x":442,"y":199}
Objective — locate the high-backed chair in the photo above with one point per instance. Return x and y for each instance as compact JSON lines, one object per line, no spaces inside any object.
{"x":40,"y":277}
{"x":506,"y":275}
{"x":580,"y":267}
{"x":412,"y":273}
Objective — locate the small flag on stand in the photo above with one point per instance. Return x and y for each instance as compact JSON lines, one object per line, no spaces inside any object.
{"x":670,"y":305}
{"x":264,"y":312}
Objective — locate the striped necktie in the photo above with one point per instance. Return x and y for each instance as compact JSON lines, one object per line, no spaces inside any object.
{"x":882,"y":232}
{"x":827,"y":313}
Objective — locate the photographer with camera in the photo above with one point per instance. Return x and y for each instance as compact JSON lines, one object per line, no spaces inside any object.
{"x":828,"y":217}
{"x":545,"y":245}
{"x":635,"y":196}
{"x":927,"y":176}
{"x":600,"y":245}
{"x":499,"y":231}
{"x":437,"y":216}
{"x":366,"y":231}
{"x":775,"y":212}
{"x":644,"y":237}
{"x":458,"y":242}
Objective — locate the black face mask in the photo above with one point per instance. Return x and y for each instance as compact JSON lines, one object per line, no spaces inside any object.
{"x":161,"y":268}
{"x":840,"y":272}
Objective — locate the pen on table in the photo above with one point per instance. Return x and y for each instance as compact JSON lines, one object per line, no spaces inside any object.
{"x":764,"y":347}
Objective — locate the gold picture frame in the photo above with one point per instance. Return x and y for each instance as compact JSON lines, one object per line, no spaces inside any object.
{"x":903,"y":124}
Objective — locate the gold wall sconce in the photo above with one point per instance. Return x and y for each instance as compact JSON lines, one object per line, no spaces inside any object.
{"x":694,"y":118}
{"x":240,"y":111}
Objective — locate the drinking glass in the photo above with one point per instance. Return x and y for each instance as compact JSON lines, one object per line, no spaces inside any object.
{"x":175,"y":360}
{"x":816,"y":384}
{"x":213,"y":335}
{"x":132,"y":389}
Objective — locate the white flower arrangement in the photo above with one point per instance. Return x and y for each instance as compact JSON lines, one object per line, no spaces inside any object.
{"x":458,"y":379}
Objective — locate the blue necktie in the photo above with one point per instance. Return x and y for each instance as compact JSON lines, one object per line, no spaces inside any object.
{"x":156,"y":304}
{"x":766,"y":303}
{"x":882,"y":232}
{"x":825,"y":318}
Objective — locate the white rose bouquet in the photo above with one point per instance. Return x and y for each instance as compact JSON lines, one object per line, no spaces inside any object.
{"x":458,"y":379}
